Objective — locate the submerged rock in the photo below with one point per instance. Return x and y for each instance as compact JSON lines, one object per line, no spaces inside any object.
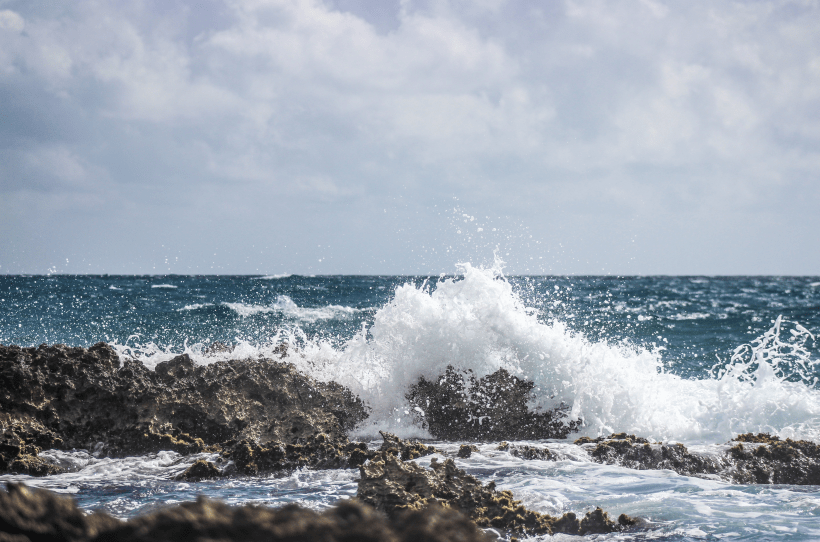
{"x":395,"y":487}
{"x":531,"y":452}
{"x":36,"y":515}
{"x":64,"y":397}
{"x":465,"y":451}
{"x":459,"y":406}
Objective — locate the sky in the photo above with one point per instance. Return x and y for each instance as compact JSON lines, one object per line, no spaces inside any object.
{"x":403,"y":137}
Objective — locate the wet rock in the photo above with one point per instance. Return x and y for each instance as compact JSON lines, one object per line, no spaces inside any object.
{"x":347,"y":521}
{"x":466,"y":450}
{"x":637,"y":453}
{"x":459,"y":406}
{"x":532,"y":452}
{"x":77,"y":397}
{"x":37,"y":515}
{"x":317,"y":452}
{"x":200,"y":470}
{"x":32,"y":515}
{"x":19,"y":449}
{"x":405,"y":449}
{"x":394,"y":487}
{"x":755,"y":459}
{"x":774,"y":461}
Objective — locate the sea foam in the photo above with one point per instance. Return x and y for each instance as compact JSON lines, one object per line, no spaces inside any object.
{"x":478,"y":323}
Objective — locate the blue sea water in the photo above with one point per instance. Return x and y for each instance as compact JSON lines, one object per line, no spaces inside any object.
{"x":690,"y":359}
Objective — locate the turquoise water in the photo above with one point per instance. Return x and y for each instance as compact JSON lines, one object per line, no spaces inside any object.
{"x":695,"y":319}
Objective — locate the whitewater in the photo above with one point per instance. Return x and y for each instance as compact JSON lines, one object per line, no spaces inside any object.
{"x":696,"y":360}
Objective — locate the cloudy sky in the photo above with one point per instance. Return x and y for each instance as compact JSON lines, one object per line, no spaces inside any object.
{"x":381,"y":136}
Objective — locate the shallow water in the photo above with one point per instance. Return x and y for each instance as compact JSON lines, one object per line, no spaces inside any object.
{"x":690,"y":359}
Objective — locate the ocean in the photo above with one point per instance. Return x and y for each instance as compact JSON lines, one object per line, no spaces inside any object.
{"x":695,"y":360}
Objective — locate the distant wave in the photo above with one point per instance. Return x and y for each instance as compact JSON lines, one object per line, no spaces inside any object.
{"x":288,"y":308}
{"x":195,"y":306}
{"x":163,"y":286}
{"x":273,"y":277}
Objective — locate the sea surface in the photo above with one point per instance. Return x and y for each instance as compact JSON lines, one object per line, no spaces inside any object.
{"x":695,"y":360}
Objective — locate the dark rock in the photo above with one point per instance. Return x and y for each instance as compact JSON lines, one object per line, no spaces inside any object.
{"x":458,"y":406}
{"x":774,"y":461}
{"x":765,"y":459}
{"x":466,"y":450}
{"x":37,"y":515}
{"x":637,"y":453}
{"x":317,"y":452}
{"x":200,"y":470}
{"x":64,"y":397}
{"x":31,"y":515}
{"x":405,"y":449}
{"x":531,"y":452}
{"x":632,"y":439}
{"x":395,"y":487}
{"x":20,"y":445}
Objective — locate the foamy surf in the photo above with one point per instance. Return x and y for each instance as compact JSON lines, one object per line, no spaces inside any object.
{"x":478,"y":323}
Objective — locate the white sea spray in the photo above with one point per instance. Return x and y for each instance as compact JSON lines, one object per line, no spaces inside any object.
{"x":478,"y":323}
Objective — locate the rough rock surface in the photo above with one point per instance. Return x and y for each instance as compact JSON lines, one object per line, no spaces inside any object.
{"x":405,"y":449}
{"x":200,"y":470}
{"x":459,"y":406}
{"x":65,"y":397}
{"x":35,"y":515}
{"x":317,"y":452}
{"x":755,"y":459}
{"x":395,"y":487}
{"x":39,"y":515}
{"x":528,"y":452}
{"x":638,"y":453}
{"x":774,"y":461}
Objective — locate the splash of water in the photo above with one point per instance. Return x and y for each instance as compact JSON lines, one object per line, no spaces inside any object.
{"x":477,"y":322}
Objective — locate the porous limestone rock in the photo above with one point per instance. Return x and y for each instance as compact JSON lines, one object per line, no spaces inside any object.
{"x":395,"y":486}
{"x":64,"y":397}
{"x":459,"y":406}
{"x":36,"y":515}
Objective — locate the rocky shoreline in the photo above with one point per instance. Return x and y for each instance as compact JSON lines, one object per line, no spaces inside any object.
{"x":264,"y":417}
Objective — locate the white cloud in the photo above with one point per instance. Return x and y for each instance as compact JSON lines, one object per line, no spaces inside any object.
{"x":624,"y":106}
{"x":11,"y":21}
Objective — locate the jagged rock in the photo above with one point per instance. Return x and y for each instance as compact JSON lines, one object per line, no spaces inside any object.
{"x":37,"y":515}
{"x":318,"y":452}
{"x":34,"y":515}
{"x":21,"y":444}
{"x":200,"y":470}
{"x":64,"y":397}
{"x":459,"y":406}
{"x":406,"y":450}
{"x":632,"y":439}
{"x":466,"y":450}
{"x":637,"y":453}
{"x":531,"y":452}
{"x":774,"y":461}
{"x":394,"y":486}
